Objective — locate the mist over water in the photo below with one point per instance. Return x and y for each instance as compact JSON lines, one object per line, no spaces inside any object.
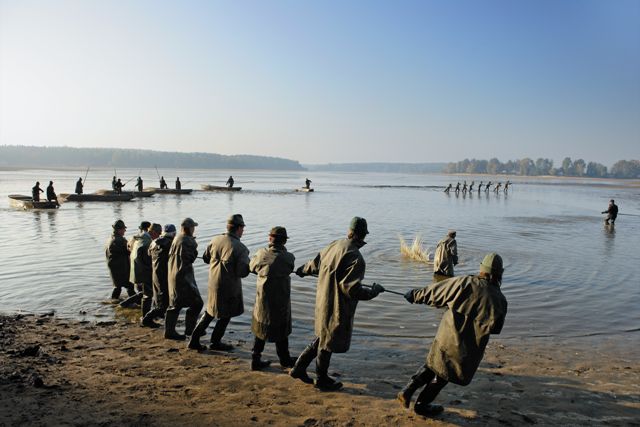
{"x":566,"y":275}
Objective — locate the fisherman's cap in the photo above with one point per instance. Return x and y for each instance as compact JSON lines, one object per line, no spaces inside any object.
{"x":359,"y":226}
{"x":451,"y":233}
{"x":188,"y":222}
{"x":169,"y":228}
{"x":492,"y":263}
{"x":144,"y":225}
{"x":235,"y":219}
{"x":155,"y":227}
{"x":278,"y":231}
{"x":611,"y":201}
{"x":119,"y":225}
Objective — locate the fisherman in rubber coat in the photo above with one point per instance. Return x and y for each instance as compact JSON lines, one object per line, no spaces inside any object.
{"x":117,"y":255}
{"x":446,"y":255}
{"x":159,"y":253}
{"x":143,"y":272}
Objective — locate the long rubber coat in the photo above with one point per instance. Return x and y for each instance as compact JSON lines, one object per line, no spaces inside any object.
{"x":183,"y":289}
{"x":117,"y":255}
{"x":271,"y":318}
{"x":446,"y":256}
{"x":228,"y":260}
{"x":476,"y":309}
{"x":159,"y":252}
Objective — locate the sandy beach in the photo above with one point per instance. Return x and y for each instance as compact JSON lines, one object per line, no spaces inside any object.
{"x":68,"y":372}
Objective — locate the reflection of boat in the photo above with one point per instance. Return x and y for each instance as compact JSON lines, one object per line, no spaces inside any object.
{"x":26,"y":202}
{"x":94,"y":197}
{"x":304,"y":189}
{"x":169,"y":190}
{"x":208,"y":187}
{"x":146,"y":193}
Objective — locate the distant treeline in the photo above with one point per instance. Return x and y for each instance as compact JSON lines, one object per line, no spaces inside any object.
{"x":29,"y":156}
{"x":528,"y":167}
{"x":379,"y":167}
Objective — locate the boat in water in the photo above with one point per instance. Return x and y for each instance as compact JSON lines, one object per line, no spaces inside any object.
{"x":26,"y":202}
{"x":136,"y":194}
{"x":94,"y":197}
{"x":207,"y":187}
{"x":169,"y":190}
{"x":305,"y":190}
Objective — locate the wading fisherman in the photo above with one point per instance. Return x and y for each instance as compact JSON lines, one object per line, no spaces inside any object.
{"x":271,"y":320}
{"x":486,"y":187}
{"x":159,"y":252}
{"x":464,"y":187}
{"x":307,"y":183}
{"x":143,"y":272}
{"x":497,"y":187}
{"x":506,"y":186}
{"x":448,"y":189}
{"x":446,"y":255}
{"x":480,"y":187}
{"x":178,"y":184}
{"x":132,"y":246}
{"x":476,"y":308}
{"x":457,"y":187}
{"x":612,"y":213}
{"x":183,"y":289}
{"x":340,"y":268}
{"x":117,"y":255}
{"x":471,"y":186}
{"x":35,"y":192}
{"x":51,"y":193}
{"x":230,"y":181}
{"x":79,"y":186}
{"x":228,"y":260}
{"x":163,"y":183}
{"x":139,"y":185}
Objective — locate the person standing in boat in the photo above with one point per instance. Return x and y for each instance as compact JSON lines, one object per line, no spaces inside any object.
{"x":307,"y":183}
{"x":79,"y":186}
{"x":230,"y":181}
{"x":51,"y":193}
{"x":114,"y":183}
{"x":139,"y":185}
{"x":163,"y":183}
{"x":178,"y":184}
{"x":35,"y":192}
{"x":118,"y":187}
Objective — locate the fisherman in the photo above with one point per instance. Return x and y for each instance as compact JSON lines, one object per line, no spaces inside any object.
{"x":183,"y":289}
{"x":114,"y":183}
{"x":135,"y":273}
{"x":117,"y":255}
{"x":79,"y":186}
{"x":163,"y":183}
{"x":612,"y":213}
{"x":471,"y":186}
{"x":35,"y":192}
{"x":486,"y":187}
{"x":230,"y":181}
{"x":340,"y":268}
{"x":464,"y":187}
{"x":228,"y":260}
{"x":448,"y":189}
{"x":51,"y":193}
{"x":119,"y":185}
{"x":271,"y":320}
{"x":139,"y":185}
{"x":497,"y":187}
{"x":159,"y":252}
{"x":476,"y":309}
{"x":178,"y":184}
{"x":446,"y":255}
{"x":143,"y":275}
{"x":307,"y":183}
{"x":457,"y":188}
{"x":506,"y":186}
{"x":480,"y":187}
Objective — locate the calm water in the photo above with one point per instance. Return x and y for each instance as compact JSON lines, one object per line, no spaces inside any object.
{"x":566,"y":274}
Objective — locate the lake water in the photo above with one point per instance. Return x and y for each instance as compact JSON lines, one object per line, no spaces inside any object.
{"x":566,"y":276}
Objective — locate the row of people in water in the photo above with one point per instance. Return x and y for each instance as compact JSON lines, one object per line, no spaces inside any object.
{"x":487,"y":187}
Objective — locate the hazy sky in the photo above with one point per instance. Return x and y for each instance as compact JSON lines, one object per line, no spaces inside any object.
{"x":343,"y":81}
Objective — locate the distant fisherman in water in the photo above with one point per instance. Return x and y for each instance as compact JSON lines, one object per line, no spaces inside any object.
{"x":486,"y":187}
{"x":178,"y":184}
{"x":163,"y":183}
{"x":480,"y":186}
{"x":464,"y":187}
{"x":79,"y":186}
{"x":230,"y":181}
{"x":471,"y":186}
{"x":475,"y":308}
{"x":612,"y":211}
{"x":497,"y":187}
{"x":307,"y":183}
{"x":448,"y":189}
{"x":458,"y":187}
{"x":446,"y":255}
{"x":35,"y":192}
{"x":117,"y":254}
{"x":506,"y":186}
{"x":139,"y":185}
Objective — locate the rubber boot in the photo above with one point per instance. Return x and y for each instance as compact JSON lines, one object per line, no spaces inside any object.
{"x":190,"y":320}
{"x":132,"y":301}
{"x":170,"y":320}
{"x":422,"y":377}
{"x":256,"y":353}
{"x":282,"y":349}
{"x":131,"y":290}
{"x":423,"y":404}
{"x":115,"y":294}
{"x":323,"y":381}
{"x":218,"y":333}
{"x":201,"y":327}
{"x":299,"y":370}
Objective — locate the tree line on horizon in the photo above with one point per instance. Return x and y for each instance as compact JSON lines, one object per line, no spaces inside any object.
{"x":543,"y":166}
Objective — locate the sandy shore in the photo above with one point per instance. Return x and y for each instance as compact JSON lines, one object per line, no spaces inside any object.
{"x":67,"y":372}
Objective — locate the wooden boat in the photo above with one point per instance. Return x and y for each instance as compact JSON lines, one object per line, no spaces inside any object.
{"x":169,"y":190}
{"x":305,"y":190}
{"x":26,"y":202}
{"x":94,"y":197}
{"x":207,"y":187}
{"x":146,"y":193}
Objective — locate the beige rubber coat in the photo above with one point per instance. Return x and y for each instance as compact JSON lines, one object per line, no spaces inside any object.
{"x":446,"y":256}
{"x":183,"y":288}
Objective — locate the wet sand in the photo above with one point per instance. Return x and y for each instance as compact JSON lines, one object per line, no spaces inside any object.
{"x":67,"y":372}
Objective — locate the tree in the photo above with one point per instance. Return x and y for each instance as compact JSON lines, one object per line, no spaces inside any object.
{"x":526,"y":167}
{"x":579,"y":167}
{"x":626,"y":169}
{"x":544,"y":166}
{"x":596,"y":170}
{"x":567,"y":167}
{"x":493,"y":166}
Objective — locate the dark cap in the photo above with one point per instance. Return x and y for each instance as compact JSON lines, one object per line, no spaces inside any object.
{"x":451,"y":233}
{"x":235,"y":219}
{"x":611,"y":201}
{"x":279,"y":232}
{"x":492,"y":263}
{"x":144,"y":225}
{"x":119,"y":225}
{"x":169,"y":228}
{"x":359,"y":226}
{"x":188,"y":222}
{"x":156,"y":228}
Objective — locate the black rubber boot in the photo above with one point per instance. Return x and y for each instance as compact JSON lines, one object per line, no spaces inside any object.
{"x":190,"y":320}
{"x":421,"y":378}
{"x":256,"y":353}
{"x":170,"y":320}
{"x":324,"y":382}
{"x":115,"y":294}
{"x":201,"y":327}
{"x":423,"y":404}
{"x":132,"y":301}
{"x":299,"y":370}
{"x":218,"y":333}
{"x":282,"y":349}
{"x":131,"y":290}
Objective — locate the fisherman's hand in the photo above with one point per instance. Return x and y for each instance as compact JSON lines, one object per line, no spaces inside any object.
{"x":409,"y":296}
{"x":300,"y":271}
{"x":377,"y":288}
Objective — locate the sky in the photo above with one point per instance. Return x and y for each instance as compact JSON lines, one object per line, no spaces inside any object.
{"x":326,"y":81}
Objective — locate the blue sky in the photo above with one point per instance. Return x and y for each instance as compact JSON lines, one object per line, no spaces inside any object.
{"x":354,"y":81}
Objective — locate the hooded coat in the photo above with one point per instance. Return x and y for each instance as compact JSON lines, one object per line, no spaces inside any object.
{"x":228,"y":260}
{"x":140,"y":260}
{"x":117,"y":255}
{"x":340,"y":269}
{"x":271,"y":318}
{"x":446,"y":256}
{"x":183,"y":289}
{"x":159,"y":253}
{"x":476,"y":309}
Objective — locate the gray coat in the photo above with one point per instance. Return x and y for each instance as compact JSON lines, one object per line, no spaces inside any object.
{"x":272,"y":311}
{"x":340,"y":269}
{"x":476,"y":309}
{"x":446,"y":256}
{"x":140,"y":271}
{"x":117,"y":255}
{"x":183,"y":289}
{"x":228,"y":260}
